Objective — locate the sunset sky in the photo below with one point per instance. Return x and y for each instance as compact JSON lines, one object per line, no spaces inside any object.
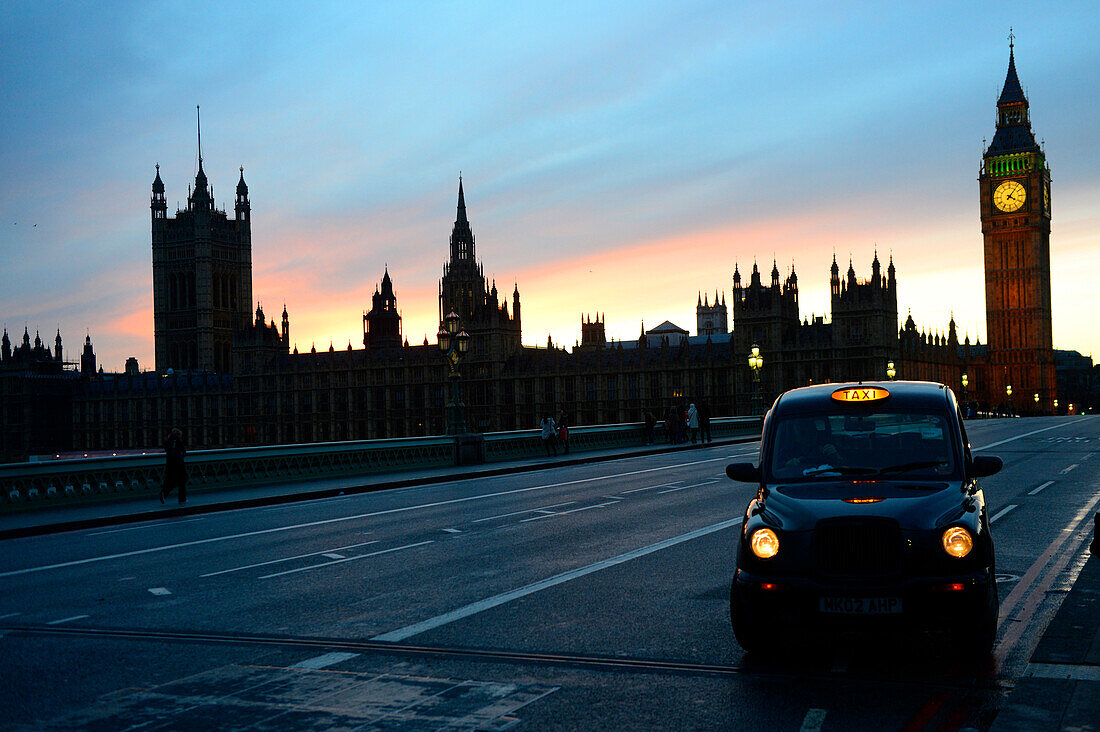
{"x":616,"y":157}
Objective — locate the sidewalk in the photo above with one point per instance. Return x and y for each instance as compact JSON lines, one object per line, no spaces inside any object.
{"x":146,"y":507}
{"x":1060,"y":689}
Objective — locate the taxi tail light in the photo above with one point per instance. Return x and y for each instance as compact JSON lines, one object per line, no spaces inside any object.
{"x":950,"y":587}
{"x":861,"y":500}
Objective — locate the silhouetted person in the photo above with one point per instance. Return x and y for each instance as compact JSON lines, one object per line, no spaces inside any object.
{"x":563,"y":430}
{"x":175,"y":472}
{"x":704,"y":422}
{"x":693,"y":423}
{"x":650,"y":425}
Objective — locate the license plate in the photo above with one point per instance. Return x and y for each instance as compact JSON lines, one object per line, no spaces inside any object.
{"x":860,"y":605}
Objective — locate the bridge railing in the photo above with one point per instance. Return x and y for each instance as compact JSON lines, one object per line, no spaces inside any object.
{"x":51,"y":483}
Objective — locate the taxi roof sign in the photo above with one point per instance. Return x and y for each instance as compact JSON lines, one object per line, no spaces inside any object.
{"x":860,"y":394}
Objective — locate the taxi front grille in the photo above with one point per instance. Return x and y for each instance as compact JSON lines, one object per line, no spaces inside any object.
{"x":858,"y":549}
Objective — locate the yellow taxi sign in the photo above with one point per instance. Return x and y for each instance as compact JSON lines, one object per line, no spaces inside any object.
{"x":861,"y":394}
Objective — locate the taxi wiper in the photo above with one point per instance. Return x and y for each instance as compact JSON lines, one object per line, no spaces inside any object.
{"x":906,"y":467}
{"x":839,"y":470}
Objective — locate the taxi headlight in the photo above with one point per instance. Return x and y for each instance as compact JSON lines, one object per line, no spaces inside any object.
{"x":764,"y":543}
{"x":957,"y":541}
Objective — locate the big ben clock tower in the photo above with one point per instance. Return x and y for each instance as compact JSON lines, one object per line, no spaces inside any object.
{"x":1015,"y":211}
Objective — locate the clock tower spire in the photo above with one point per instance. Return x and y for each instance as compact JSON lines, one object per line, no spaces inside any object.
{"x":1014,"y":195}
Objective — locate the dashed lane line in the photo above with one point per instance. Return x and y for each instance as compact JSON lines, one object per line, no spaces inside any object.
{"x":490,"y":602}
{"x":324,"y":661}
{"x":67,"y":620}
{"x":1026,"y":434}
{"x":1002,"y":512}
{"x":685,"y":487}
{"x":288,"y":559}
{"x":8,"y":615}
{"x":160,"y":591}
{"x":813,"y":720}
{"x":1069,"y":468}
{"x":526,"y":510}
{"x":348,"y":559}
{"x":1035,"y":491}
{"x":338,"y":519}
{"x":572,"y":510}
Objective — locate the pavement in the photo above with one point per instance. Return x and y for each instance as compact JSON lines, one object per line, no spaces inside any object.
{"x":1060,"y":687}
{"x":133,"y":508}
{"x":1058,"y":690}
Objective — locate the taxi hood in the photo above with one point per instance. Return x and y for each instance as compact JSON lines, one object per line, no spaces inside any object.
{"x":913,"y":504}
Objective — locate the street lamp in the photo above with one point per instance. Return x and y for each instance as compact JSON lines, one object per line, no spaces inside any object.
{"x":891,"y":372}
{"x":756,"y":362}
{"x":454,"y":344}
{"x":1008,"y":396}
{"x":1036,"y":397}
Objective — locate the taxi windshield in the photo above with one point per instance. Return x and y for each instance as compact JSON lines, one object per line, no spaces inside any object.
{"x":898,"y":445}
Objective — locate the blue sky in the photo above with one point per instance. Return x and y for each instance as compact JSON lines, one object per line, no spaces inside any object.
{"x":617,"y":158}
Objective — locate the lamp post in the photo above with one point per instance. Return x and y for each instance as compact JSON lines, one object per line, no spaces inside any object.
{"x":891,"y":372}
{"x":1008,"y":396}
{"x":1036,"y":397}
{"x":756,"y":362}
{"x":454,"y":343}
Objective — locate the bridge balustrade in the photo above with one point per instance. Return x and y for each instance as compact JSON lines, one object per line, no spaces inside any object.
{"x":93,"y":479}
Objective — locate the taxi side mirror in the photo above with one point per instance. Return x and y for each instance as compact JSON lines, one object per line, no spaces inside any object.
{"x":984,"y":465}
{"x":743,"y":472}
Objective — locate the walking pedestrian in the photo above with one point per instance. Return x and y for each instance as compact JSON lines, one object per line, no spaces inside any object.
{"x":704,"y":422}
{"x":693,"y":423}
{"x":175,"y":472}
{"x":650,"y":426}
{"x":549,"y":436}
{"x":563,"y":430}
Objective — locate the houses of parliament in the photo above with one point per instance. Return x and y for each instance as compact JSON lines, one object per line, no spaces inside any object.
{"x":226,"y":374}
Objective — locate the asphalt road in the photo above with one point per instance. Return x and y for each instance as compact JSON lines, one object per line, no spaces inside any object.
{"x":586,"y":596}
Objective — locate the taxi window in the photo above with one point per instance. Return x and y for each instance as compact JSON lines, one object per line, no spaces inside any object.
{"x":882,"y":444}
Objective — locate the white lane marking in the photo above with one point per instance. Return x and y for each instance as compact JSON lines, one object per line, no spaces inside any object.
{"x":813,"y":720}
{"x":333,"y":555}
{"x":1035,"y":491}
{"x":324,"y":661}
{"x":160,"y":591}
{"x":452,"y":531}
{"x":651,"y":487}
{"x":157,"y":525}
{"x":1002,"y":512}
{"x":685,"y":487}
{"x":526,"y":510}
{"x":1071,"y":467}
{"x":347,"y":559}
{"x":572,"y":510}
{"x":287,"y":559}
{"x":473,"y":608}
{"x":9,"y":615}
{"x":1020,"y":437}
{"x":371,"y":514}
{"x":66,"y":620}
{"x":1062,"y":671}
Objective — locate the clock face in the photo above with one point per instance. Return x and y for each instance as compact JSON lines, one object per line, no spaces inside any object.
{"x":1009,"y":196}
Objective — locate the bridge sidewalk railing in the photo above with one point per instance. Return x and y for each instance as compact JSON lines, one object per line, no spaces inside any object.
{"x":27,"y":486}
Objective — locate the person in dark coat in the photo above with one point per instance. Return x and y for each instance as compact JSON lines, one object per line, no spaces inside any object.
{"x":704,"y":421}
{"x":175,"y":472}
{"x":650,"y":425}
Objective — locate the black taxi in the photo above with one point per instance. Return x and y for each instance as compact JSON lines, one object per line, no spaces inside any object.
{"x":868,"y":515}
